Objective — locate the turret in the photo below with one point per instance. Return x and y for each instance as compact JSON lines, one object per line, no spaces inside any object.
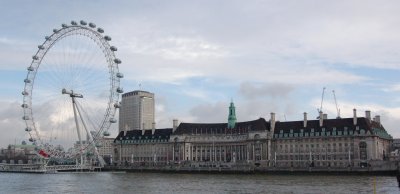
{"x":321,"y":119}
{"x":377,"y":119}
{"x":174,"y":124}
{"x":232,"y":116}
{"x":355,"y":116}
{"x":368,"y":115}
{"x":153,"y":127}
{"x":272,"y":122}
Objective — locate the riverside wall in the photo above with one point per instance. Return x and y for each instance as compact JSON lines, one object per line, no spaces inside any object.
{"x":377,"y":167}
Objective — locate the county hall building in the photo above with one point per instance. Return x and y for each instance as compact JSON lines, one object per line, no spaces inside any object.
{"x":261,"y":143}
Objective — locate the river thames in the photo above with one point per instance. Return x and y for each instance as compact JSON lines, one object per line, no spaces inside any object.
{"x":108,"y":182}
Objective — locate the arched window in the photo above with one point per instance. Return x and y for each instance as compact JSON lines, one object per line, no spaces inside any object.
{"x":363,"y":150}
{"x":257,"y":147}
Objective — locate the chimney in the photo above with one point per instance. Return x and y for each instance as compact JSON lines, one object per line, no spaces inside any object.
{"x":325,"y":116}
{"x":378,"y":119}
{"x":153,"y":128}
{"x":321,"y":119}
{"x":354,"y":116}
{"x":272,"y":122}
{"x":174,"y":124}
{"x":305,"y":120}
{"x":368,"y":115}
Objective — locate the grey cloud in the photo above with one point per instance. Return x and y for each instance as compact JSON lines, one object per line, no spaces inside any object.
{"x":209,"y":113}
{"x":271,"y":90}
{"x":11,"y":124}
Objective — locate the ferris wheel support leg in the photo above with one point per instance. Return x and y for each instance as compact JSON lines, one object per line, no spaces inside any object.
{"x":78,"y":130}
{"x":101,"y":160}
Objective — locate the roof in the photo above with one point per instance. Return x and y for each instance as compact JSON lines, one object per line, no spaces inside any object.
{"x":342,"y":124}
{"x":221,"y":128}
{"x":136,"y":92}
{"x":287,"y":127}
{"x":137,"y":134}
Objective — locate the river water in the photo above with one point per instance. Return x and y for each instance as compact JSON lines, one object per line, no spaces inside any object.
{"x":108,"y":182}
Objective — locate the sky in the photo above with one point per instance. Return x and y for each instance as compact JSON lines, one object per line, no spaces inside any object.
{"x":197,"y":56}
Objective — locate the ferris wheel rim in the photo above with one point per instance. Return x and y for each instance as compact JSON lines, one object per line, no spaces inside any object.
{"x":114,"y":75}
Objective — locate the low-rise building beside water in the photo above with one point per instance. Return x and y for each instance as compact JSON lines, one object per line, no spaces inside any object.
{"x":340,"y":143}
{"x":17,"y":154}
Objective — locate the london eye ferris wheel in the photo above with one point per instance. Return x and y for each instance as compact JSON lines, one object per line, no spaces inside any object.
{"x":71,"y":92}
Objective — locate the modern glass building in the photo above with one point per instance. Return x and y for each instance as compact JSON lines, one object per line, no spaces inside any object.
{"x":137,"y":111}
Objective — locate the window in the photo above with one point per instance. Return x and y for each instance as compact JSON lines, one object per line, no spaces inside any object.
{"x":363,"y":150}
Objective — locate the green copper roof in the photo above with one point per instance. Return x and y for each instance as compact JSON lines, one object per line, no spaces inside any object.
{"x":232,"y":116}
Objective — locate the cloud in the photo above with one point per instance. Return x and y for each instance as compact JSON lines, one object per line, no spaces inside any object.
{"x":210,"y":112}
{"x":175,"y":48}
{"x":392,"y":88}
{"x":268,"y":56}
{"x":11,"y":123}
{"x":274,"y":90}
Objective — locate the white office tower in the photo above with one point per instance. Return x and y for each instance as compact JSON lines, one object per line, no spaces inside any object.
{"x":137,"y":111}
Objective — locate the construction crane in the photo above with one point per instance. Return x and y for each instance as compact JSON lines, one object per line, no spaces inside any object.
{"x":322,"y":101}
{"x":337,"y":107}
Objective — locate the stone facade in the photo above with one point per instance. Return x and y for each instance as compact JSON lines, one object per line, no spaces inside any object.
{"x":321,"y":143}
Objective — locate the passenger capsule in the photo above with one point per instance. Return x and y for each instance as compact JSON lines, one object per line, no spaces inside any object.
{"x":117,"y":105}
{"x":92,"y":25}
{"x":112,"y":120}
{"x":120,"y":75}
{"x":30,"y":68}
{"x":100,"y":30}
{"x":25,"y":93}
{"x":120,"y":90}
{"x":108,"y":38}
{"x":35,"y":57}
{"x":24,"y":105}
{"x":117,"y":61}
{"x":55,"y":30}
{"x":47,"y":38}
{"x":28,"y":129}
{"x":31,"y":139}
{"x":25,"y":117}
{"x":106,"y":133}
{"x":113,"y":48}
{"x":74,"y":23}
{"x":27,"y":81}
{"x":83,"y":23}
{"x":41,"y":47}
{"x":64,"y":25}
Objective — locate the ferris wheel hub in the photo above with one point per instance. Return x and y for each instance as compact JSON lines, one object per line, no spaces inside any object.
{"x":71,"y":93}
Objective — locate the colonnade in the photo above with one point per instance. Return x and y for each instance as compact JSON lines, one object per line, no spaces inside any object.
{"x":221,"y":152}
